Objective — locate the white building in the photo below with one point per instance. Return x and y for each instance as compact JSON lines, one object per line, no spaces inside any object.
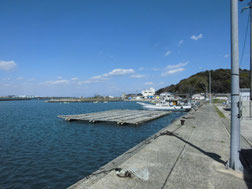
{"x":148,"y":93}
{"x":245,"y":94}
{"x":123,"y":96}
{"x":198,"y":97}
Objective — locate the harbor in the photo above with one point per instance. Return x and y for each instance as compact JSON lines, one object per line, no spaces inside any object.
{"x":126,"y":94}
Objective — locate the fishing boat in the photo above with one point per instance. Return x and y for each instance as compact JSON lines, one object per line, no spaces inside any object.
{"x":166,"y":106}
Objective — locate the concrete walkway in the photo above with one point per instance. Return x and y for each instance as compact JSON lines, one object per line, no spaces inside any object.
{"x":188,"y":156}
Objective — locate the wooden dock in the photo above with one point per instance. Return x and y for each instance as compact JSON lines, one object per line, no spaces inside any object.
{"x":117,"y":116}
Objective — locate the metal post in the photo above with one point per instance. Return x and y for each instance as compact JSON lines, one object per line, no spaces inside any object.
{"x":206,"y":94}
{"x":210,"y":85}
{"x":234,"y":162}
{"x":206,"y":90}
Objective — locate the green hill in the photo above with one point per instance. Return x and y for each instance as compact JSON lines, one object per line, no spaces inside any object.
{"x":221,"y":82}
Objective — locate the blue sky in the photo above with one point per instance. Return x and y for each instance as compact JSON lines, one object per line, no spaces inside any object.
{"x":83,"y":48}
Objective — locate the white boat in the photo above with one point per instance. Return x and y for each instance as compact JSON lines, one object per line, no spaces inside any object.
{"x":166,"y":106}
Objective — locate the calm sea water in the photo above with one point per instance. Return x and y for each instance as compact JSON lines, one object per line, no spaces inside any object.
{"x":39,"y":150}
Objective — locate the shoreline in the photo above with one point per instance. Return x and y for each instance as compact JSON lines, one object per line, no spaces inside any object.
{"x":15,"y":99}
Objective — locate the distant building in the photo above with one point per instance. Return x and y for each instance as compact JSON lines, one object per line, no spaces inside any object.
{"x":149,"y":93}
{"x":245,"y":94}
{"x":198,"y":97}
{"x":123,"y":96}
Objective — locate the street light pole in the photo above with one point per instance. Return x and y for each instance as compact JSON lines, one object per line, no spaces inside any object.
{"x":234,"y":161}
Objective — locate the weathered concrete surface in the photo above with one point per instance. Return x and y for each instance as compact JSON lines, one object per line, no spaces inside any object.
{"x":246,"y":127}
{"x":193,"y":156}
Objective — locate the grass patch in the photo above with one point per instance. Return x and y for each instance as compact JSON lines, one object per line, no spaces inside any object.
{"x":221,"y":115}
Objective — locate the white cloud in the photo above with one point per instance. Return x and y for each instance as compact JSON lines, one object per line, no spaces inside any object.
{"x":7,"y":65}
{"x":117,"y":72}
{"x":168,"y":53}
{"x":148,"y":83}
{"x":74,"y":79}
{"x":60,"y":77}
{"x":194,"y":37}
{"x":85,"y":82}
{"x":141,"y":68}
{"x":137,"y":76}
{"x":226,"y":55}
{"x":100,"y":78}
{"x":60,"y":81}
{"x":173,"y":71}
{"x":180,"y":43}
{"x":181,"y":64}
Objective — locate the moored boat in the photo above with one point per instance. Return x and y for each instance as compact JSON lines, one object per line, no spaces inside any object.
{"x":166,"y":106}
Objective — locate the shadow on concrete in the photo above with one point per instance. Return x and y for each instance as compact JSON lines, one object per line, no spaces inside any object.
{"x":214,"y":156}
{"x":246,"y":160}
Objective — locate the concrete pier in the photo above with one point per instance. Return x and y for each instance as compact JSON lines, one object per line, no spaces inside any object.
{"x":192,"y":155}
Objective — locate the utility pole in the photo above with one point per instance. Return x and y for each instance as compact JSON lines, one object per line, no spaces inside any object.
{"x":234,"y":161}
{"x":210,"y":85}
